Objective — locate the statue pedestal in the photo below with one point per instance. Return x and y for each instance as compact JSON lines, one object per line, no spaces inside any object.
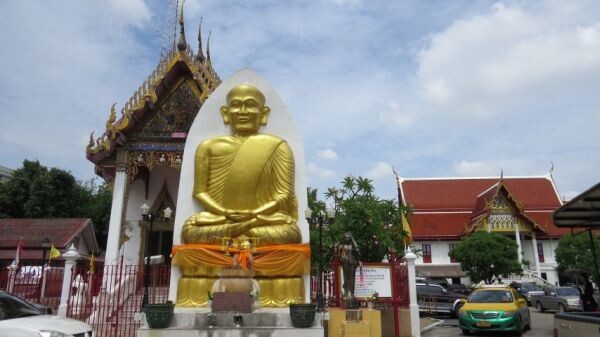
{"x":368,"y":326}
{"x":193,"y":322}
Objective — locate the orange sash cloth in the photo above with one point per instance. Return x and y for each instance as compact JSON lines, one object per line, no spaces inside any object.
{"x":286,"y":259}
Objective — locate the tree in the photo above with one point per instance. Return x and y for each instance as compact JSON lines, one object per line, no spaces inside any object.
{"x":374,"y":223}
{"x":485,"y":255}
{"x":36,"y":191}
{"x":574,"y":252}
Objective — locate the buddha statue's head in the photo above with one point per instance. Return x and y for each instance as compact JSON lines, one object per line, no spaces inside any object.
{"x":245,"y":111}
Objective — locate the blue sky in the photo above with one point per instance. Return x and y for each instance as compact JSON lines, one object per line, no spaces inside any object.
{"x":433,"y":88}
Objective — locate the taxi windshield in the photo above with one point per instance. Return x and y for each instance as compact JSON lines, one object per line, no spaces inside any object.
{"x":491,"y":296}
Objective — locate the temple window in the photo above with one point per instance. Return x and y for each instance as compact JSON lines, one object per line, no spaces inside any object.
{"x":426,"y":253}
{"x":540,"y":249}
{"x":450,"y":249}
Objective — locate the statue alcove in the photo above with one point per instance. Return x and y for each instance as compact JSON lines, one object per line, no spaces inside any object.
{"x":161,"y":238}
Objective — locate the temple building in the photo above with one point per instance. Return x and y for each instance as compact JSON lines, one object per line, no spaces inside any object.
{"x":446,"y":209}
{"x":140,"y":152}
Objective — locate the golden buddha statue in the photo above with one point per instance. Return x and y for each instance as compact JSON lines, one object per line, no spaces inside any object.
{"x":245,"y":184}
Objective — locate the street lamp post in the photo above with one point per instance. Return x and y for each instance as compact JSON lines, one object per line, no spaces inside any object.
{"x":45,"y":245}
{"x":318,"y":220}
{"x":148,"y":217}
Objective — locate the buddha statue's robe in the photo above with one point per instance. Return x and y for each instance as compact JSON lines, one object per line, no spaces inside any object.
{"x":245,"y":174}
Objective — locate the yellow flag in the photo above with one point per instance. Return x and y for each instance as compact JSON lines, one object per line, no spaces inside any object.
{"x":92,"y":267}
{"x":408,"y":239}
{"x":54,"y":253}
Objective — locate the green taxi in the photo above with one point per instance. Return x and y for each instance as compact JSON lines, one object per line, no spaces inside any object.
{"x":497,"y":308}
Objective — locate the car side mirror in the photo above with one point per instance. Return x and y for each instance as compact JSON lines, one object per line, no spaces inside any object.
{"x":461,"y":302}
{"x":444,"y":291}
{"x":521,"y":301}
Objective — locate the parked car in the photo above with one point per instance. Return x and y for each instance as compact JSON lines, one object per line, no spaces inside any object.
{"x":499,"y":308}
{"x":458,"y":289}
{"x":576,"y":324}
{"x":435,"y":299}
{"x":527,"y":289}
{"x":560,"y":299}
{"x":19,"y":318}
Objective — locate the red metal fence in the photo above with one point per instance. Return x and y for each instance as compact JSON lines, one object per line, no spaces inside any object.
{"x":110,"y":299}
{"x":332,"y":293}
{"x":35,"y":282}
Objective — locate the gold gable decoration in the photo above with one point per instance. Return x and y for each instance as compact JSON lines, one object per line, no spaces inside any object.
{"x":502,"y":214}
{"x":180,"y":76}
{"x":202,"y":72}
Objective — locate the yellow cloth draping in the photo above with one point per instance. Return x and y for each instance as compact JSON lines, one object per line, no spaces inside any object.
{"x":287,"y":259}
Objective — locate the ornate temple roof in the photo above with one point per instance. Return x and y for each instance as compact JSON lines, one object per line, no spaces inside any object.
{"x":444,"y":207}
{"x":179,"y":72}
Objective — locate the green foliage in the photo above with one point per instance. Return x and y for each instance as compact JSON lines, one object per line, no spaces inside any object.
{"x":374,"y":223}
{"x":574,"y":252}
{"x":485,"y":255}
{"x":36,"y":191}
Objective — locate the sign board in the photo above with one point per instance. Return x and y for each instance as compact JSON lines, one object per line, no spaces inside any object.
{"x":376,"y":278}
{"x":231,"y":302}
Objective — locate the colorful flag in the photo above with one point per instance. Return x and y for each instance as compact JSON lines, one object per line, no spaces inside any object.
{"x":54,"y":253}
{"x":408,"y":239}
{"x":19,"y":252}
{"x":92,"y":267}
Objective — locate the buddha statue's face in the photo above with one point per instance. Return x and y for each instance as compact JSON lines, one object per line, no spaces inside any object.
{"x":245,"y":111}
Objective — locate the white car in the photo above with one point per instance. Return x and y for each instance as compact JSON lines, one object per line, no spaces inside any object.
{"x":21,"y":319}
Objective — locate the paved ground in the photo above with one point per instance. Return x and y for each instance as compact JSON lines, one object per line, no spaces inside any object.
{"x":542,"y":324}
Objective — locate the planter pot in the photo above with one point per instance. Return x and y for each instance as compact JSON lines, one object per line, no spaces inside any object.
{"x":159,"y":315}
{"x":302,"y":315}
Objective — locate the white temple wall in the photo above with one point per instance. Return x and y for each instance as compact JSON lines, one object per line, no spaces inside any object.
{"x":439,"y":251}
{"x":137,"y":197}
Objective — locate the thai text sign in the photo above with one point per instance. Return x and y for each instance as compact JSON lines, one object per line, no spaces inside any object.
{"x":374,"y":279}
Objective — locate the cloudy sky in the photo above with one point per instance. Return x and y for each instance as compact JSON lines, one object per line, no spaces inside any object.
{"x":433,"y":88}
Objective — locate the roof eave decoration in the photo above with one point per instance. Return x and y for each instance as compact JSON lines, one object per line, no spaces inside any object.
{"x":146,"y":96}
{"x":478,"y":217}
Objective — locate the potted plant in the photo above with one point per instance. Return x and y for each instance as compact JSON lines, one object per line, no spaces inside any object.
{"x":302,"y":314}
{"x":159,"y":315}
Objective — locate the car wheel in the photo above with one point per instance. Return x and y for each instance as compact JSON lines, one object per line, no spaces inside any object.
{"x":528,"y":326}
{"x":520,"y":328}
{"x":466,"y":332}
{"x":561,"y":308}
{"x":539,"y":307}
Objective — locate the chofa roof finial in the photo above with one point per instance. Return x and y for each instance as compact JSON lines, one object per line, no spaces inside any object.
{"x":200,"y":55}
{"x":208,"y":46}
{"x":181,"y":44}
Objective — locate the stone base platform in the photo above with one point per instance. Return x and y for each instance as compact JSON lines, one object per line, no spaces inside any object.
{"x":268,"y":322}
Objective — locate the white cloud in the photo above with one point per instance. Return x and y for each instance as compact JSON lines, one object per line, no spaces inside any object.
{"x":315,"y":170}
{"x":133,"y":11}
{"x":481,"y":64}
{"x":474,"y":169}
{"x":395,"y":116}
{"x":327,"y":154}
{"x":379,"y":171}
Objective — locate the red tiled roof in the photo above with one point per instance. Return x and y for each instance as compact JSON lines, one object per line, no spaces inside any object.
{"x":483,"y":200}
{"x":438,"y":224}
{"x":436,"y":201}
{"x":461,"y":193}
{"x":32,"y":231}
